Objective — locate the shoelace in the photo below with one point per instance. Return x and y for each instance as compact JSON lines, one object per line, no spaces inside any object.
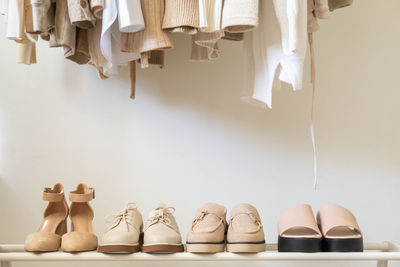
{"x":115,"y":219}
{"x":161,"y":216}
{"x":253,"y":217}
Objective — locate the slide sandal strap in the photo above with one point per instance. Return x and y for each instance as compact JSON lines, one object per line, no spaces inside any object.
{"x":298,"y":216}
{"x":332,"y":215}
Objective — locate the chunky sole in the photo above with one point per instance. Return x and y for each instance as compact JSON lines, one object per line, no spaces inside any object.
{"x":118,"y":249}
{"x":343,"y":245}
{"x":245,"y":247}
{"x":301,"y":244}
{"x":162,"y":248}
{"x":205,"y":247}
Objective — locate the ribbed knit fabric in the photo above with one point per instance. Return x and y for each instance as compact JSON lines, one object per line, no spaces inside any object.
{"x":157,"y":57}
{"x":26,"y":53}
{"x":153,"y":37}
{"x":335,"y":4}
{"x":239,"y":15}
{"x":181,"y":16}
{"x":210,"y":14}
{"x":97,"y":59}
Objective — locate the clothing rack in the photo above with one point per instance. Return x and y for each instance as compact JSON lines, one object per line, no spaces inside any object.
{"x":382,"y":252}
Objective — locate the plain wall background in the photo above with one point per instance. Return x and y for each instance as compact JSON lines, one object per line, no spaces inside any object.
{"x":188,"y":139}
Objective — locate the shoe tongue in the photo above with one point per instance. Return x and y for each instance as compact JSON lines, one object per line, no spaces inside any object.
{"x":157,"y":210}
{"x":244,"y":208}
{"x":212,"y":208}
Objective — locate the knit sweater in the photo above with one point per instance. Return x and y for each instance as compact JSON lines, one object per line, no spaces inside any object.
{"x":239,"y":15}
{"x":181,"y":16}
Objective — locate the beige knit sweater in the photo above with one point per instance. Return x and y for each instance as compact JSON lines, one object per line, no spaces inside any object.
{"x":153,"y":37}
{"x":181,"y":16}
{"x":239,"y":15}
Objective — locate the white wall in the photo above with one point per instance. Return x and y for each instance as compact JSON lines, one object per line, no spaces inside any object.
{"x":188,"y":139}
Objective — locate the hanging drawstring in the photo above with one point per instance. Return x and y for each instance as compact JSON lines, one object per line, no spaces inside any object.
{"x":133,"y":79}
{"x":310,"y":42}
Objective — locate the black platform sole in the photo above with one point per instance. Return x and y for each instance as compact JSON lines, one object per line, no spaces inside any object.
{"x":343,"y":245}
{"x":289,"y":244}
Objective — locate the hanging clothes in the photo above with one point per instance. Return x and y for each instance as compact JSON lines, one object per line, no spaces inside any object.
{"x":153,"y":37}
{"x":42,"y":12}
{"x":97,"y":7}
{"x":204,"y":43}
{"x":239,"y":15}
{"x":80,"y":14}
{"x":181,"y":16}
{"x":266,"y":60}
{"x":336,"y":4}
{"x":131,"y":19}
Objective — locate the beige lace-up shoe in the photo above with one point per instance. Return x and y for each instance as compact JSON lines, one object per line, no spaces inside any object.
{"x":161,"y":233}
{"x":207,"y":234}
{"x":124,"y":232}
{"x":245,"y":231}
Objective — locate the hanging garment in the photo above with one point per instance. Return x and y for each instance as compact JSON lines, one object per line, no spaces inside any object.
{"x":15,"y":20}
{"x":153,"y":37}
{"x":233,"y":36}
{"x":239,"y":15}
{"x":210,"y":15}
{"x":321,"y":9}
{"x":65,"y":32}
{"x":80,"y":14}
{"x":130,"y":16}
{"x":97,"y":7}
{"x":312,"y":22}
{"x":42,"y":12}
{"x":181,"y":16}
{"x":204,"y":43}
{"x":265,"y":59}
{"x":4,"y":7}
{"x":111,"y":33}
{"x":204,"y":46}
{"x":335,"y":4}
{"x":81,"y":52}
{"x":97,"y":60}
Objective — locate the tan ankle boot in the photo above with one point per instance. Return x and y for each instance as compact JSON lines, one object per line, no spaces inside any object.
{"x":81,"y":237}
{"x":54,"y":224}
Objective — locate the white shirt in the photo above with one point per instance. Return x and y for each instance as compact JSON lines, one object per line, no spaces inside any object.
{"x":271,"y":57}
{"x":119,"y":15}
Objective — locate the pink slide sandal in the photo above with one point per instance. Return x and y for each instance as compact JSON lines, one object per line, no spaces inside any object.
{"x":340,"y":229}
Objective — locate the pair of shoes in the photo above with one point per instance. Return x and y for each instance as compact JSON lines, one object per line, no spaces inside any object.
{"x":52,"y":232}
{"x":126,"y":235}
{"x":335,"y":230}
{"x":210,"y":231}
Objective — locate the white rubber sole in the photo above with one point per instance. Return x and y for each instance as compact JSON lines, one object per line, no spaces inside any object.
{"x":205,"y":248}
{"x":245,"y":248}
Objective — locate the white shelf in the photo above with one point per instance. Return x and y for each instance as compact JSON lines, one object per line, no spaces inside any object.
{"x":381,"y":252}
